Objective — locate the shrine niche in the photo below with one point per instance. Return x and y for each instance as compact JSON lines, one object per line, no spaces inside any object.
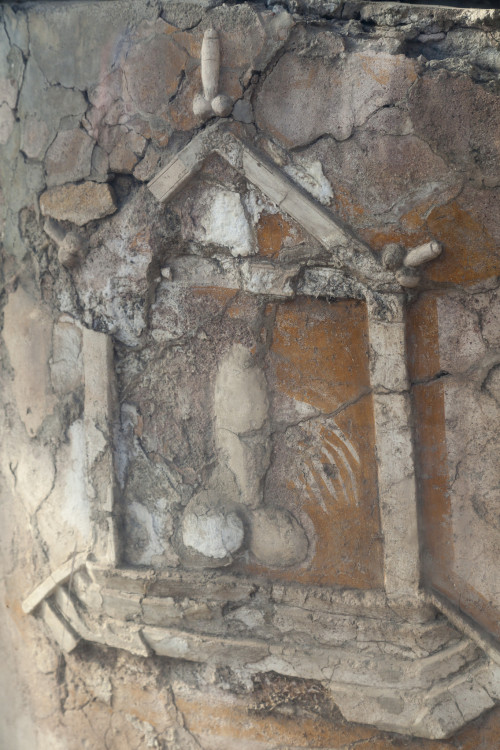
{"x":251,"y":482}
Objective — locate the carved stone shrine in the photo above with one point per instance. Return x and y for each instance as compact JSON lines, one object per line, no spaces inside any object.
{"x":251,"y":347}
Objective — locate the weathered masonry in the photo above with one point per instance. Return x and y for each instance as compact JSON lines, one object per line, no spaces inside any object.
{"x":251,"y":375}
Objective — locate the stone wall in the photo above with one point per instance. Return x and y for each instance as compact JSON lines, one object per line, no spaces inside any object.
{"x":250,"y":362}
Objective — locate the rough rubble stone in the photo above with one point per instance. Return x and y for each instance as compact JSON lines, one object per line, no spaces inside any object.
{"x":78,"y":203}
{"x":379,"y":178}
{"x":457,"y":117}
{"x":41,"y":108}
{"x":126,"y":152}
{"x":16,"y":26}
{"x":242,"y":111}
{"x":148,"y":166}
{"x":304,"y":98}
{"x":64,"y":45}
{"x":69,"y":157}
{"x":153,"y":67}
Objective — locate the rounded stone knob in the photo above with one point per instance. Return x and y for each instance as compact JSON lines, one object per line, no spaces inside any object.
{"x":71,"y":250}
{"x":276,"y":538}
{"x":222,"y":105}
{"x":392,"y":256}
{"x":201,"y":107}
{"x":408,"y":277}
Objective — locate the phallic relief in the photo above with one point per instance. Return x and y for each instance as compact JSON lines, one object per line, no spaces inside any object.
{"x":212,"y":525}
{"x":211,"y":102}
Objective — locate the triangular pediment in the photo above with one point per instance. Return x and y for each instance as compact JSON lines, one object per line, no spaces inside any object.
{"x":345,"y":251}
{"x":225,"y":216}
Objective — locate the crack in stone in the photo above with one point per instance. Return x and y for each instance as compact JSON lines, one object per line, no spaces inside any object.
{"x":323,"y":415}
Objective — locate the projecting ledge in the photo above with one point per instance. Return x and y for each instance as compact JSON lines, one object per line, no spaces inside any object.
{"x":415,"y":675}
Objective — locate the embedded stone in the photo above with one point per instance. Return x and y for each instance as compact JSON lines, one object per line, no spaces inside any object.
{"x":122,"y":159}
{"x":71,"y":250}
{"x":69,"y":158}
{"x":100,"y":165}
{"x":126,"y":153}
{"x":153,"y":68}
{"x":310,"y":176}
{"x":147,"y":167}
{"x":242,"y":111}
{"x":319,"y":97}
{"x":379,"y":178}
{"x":78,"y":203}
{"x":223,"y":222}
{"x":392,"y":256}
{"x":11,"y":70}
{"x":64,"y":44}
{"x":35,"y":136}
{"x":457,"y":117}
{"x":41,"y":108}
{"x":16,"y":26}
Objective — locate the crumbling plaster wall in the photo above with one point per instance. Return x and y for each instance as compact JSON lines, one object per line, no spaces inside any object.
{"x":388,"y":115}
